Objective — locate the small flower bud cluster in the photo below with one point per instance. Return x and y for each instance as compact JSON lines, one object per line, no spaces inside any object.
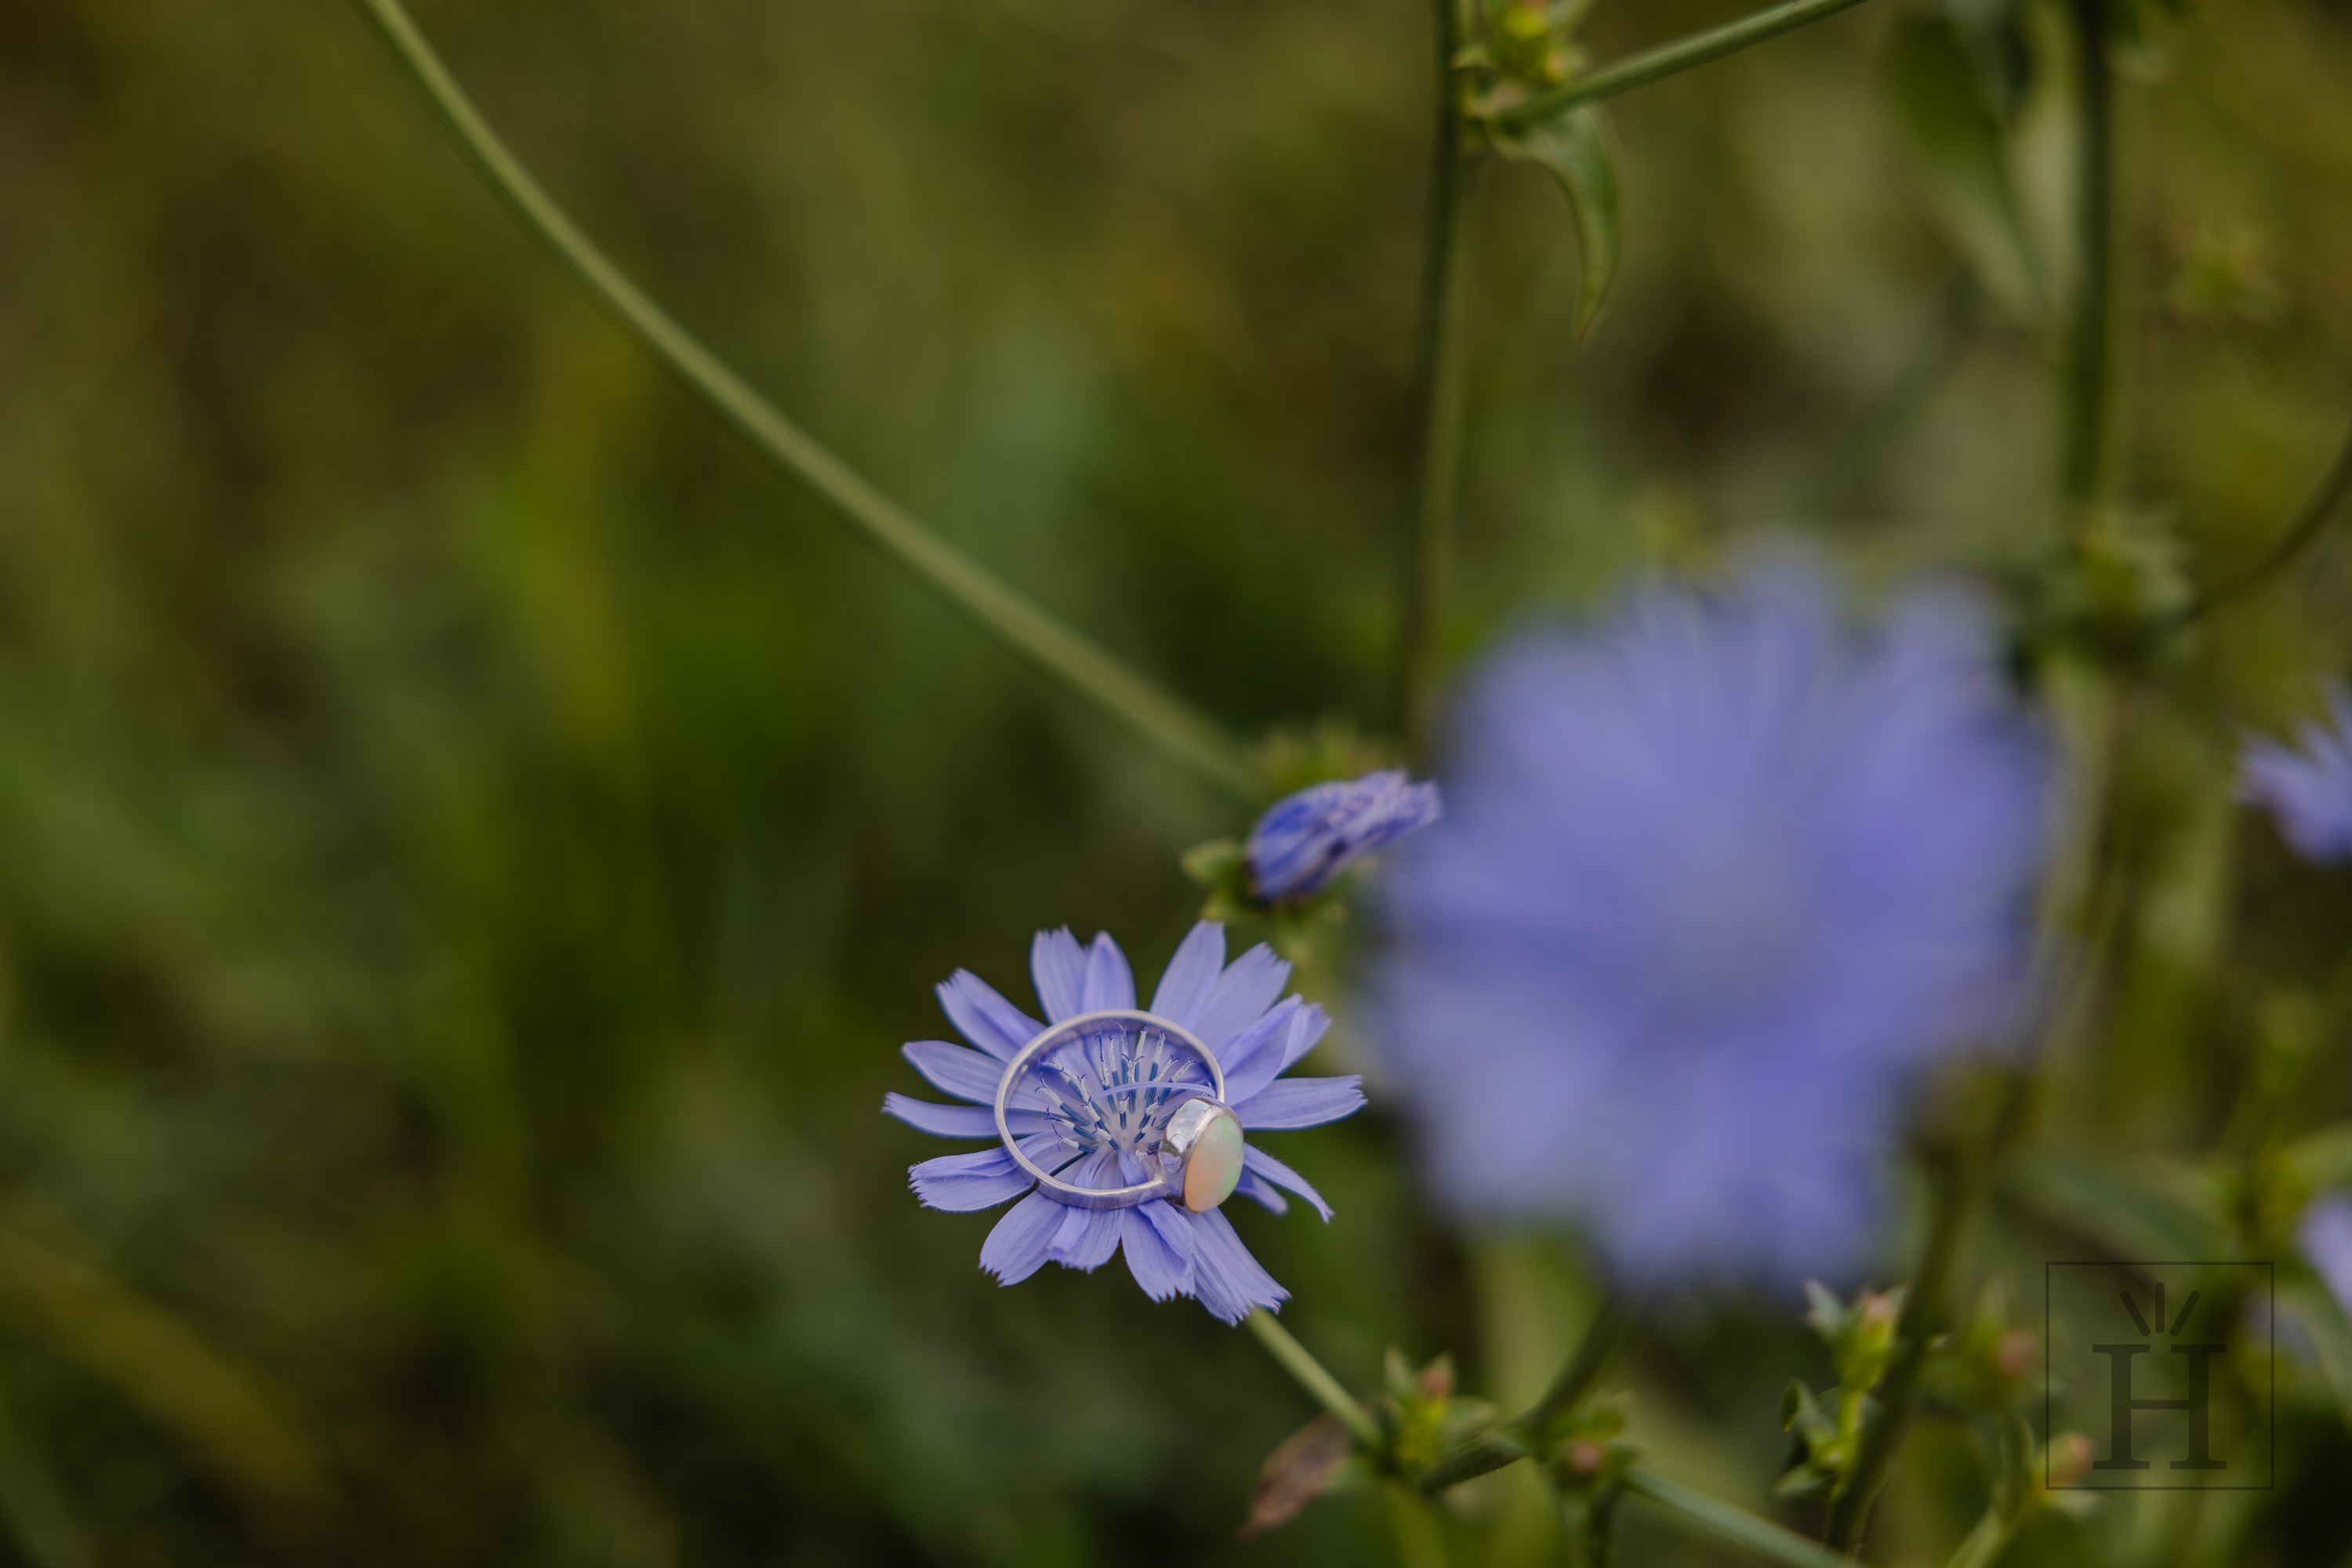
{"x":1528,"y":42}
{"x":1862,"y":1336}
{"x":1988,"y":1365}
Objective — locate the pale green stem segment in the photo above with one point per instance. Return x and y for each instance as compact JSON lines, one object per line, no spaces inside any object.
{"x":1420,"y":1535}
{"x":1443,"y":392}
{"x":1312,"y":1376}
{"x":1048,"y":644}
{"x":1726,"y":1524}
{"x":1670,"y":59}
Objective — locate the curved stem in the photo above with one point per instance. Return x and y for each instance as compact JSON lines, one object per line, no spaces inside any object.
{"x":1442,"y":387}
{"x":1313,"y":1376}
{"x":1670,"y":59}
{"x":1045,"y":642}
{"x":1725,"y":1522}
{"x":1601,"y":1337}
{"x":2319,"y":508}
{"x":2089,"y":417}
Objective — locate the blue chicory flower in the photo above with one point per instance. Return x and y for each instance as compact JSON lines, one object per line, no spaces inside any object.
{"x":2307,"y":791}
{"x":1086,"y":1134}
{"x":1306,"y":839}
{"x":2325,"y":1237}
{"x":1716,"y":880}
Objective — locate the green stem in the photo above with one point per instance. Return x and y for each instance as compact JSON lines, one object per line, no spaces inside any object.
{"x":1591,"y":1525}
{"x":1048,"y":644}
{"x":2089,"y":923}
{"x":2087,"y":479}
{"x":1442,"y":393}
{"x":1669,"y":60}
{"x":1963,"y":1175}
{"x":1926,"y":1308}
{"x":1313,"y":1376}
{"x":1498,"y":1448}
{"x":1983,"y":1543}
{"x":1416,"y":1528}
{"x":1726,"y":1524}
{"x":1421,"y":1541}
{"x":2322,"y":507}
{"x":2087,"y":452}
{"x":1601,"y":1338}
{"x":1420,"y":1538}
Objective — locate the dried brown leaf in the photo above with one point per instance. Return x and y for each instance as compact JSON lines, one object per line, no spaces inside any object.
{"x":1296,"y":1474}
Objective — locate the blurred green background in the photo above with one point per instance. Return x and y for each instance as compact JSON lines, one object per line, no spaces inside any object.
{"x":471,"y":839}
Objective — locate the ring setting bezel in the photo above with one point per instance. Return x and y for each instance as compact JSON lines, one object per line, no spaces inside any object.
{"x":1204,"y":1125}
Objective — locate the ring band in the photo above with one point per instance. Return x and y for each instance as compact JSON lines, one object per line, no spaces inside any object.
{"x":1065,"y":1032}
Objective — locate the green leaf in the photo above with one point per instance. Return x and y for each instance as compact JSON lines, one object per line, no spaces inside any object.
{"x":1469,"y":1448}
{"x":1396,"y":1374}
{"x":1947,"y":105}
{"x":1803,"y":1482}
{"x":1793,"y":1398}
{"x":2150,"y":1210}
{"x":1576,"y":148}
{"x":1824,"y":1313}
{"x":1801,"y":1413}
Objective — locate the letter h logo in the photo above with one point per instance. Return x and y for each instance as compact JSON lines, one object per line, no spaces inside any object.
{"x":2122,"y":1358}
{"x":2163,"y":1372}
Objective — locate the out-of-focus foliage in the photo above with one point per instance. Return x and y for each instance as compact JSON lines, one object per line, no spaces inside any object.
{"x":470,"y":841}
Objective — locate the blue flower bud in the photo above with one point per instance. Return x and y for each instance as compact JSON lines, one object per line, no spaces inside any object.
{"x":1306,"y":839}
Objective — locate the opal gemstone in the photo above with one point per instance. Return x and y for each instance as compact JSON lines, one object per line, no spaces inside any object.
{"x":1215,"y":1168}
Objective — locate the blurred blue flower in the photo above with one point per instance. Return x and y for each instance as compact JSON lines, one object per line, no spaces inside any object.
{"x":1306,"y":839}
{"x":1715,"y":881}
{"x":2325,"y":1236}
{"x":2307,"y":791}
{"x":1084,"y":1134}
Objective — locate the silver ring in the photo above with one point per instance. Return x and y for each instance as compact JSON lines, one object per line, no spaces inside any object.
{"x":1054,"y":1035}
